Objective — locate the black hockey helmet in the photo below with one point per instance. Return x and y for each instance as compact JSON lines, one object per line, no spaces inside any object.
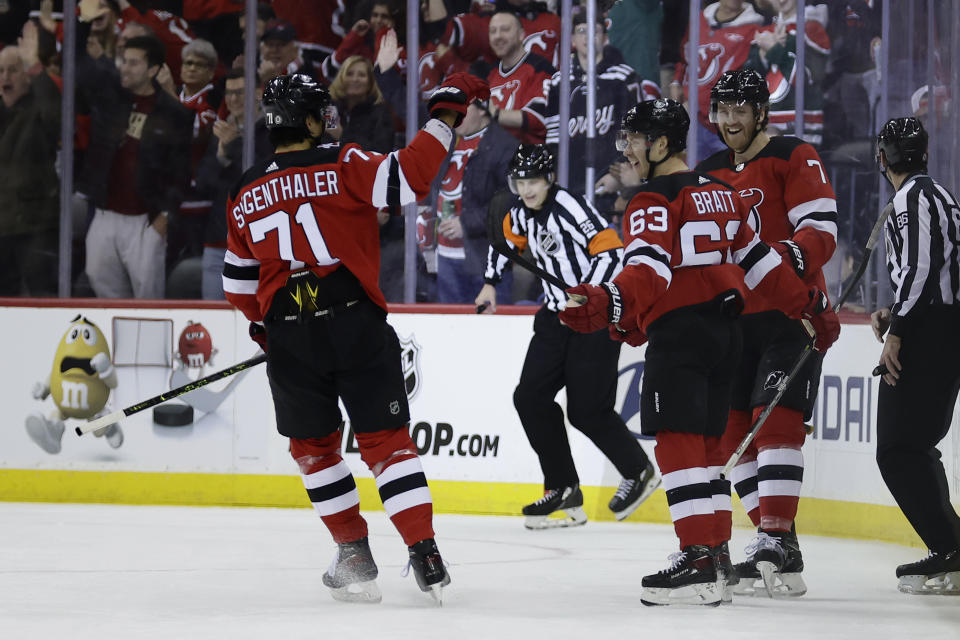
{"x":289,"y":99}
{"x":743,"y":86}
{"x":655,"y":118}
{"x":531,"y":161}
{"x":903,"y":142}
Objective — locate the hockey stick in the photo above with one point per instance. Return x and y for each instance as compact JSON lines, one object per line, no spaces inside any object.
{"x":499,"y":207}
{"x":807,"y":350}
{"x":116,"y":416}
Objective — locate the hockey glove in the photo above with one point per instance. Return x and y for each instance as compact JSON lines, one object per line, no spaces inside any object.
{"x":825,"y":322}
{"x":603,"y":307}
{"x":456,"y":93}
{"x":792,"y":254}
{"x":258,"y":333}
{"x":633,"y":337}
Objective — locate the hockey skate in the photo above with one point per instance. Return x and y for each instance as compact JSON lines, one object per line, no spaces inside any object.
{"x":45,"y":432}
{"x":352,"y":576}
{"x":691,"y":579}
{"x":727,"y":577}
{"x":568,"y":500}
{"x":428,"y":569}
{"x":633,"y":491}
{"x":937,"y":574}
{"x":773,"y":567}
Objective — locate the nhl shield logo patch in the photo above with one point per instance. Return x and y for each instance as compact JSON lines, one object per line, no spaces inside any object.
{"x":410,"y":361}
{"x":547,"y":242}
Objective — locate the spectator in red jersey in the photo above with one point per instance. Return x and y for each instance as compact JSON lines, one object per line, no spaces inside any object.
{"x":172,"y":30}
{"x":467,"y":33}
{"x":319,"y":25}
{"x":216,"y":22}
{"x":361,"y":39}
{"x":520,"y":82}
{"x":727,"y":28}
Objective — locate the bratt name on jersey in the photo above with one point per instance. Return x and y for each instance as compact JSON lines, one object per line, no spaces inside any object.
{"x":285,"y":187}
{"x":713,"y":202}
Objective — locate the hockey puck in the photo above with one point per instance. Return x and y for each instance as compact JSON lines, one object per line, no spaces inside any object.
{"x":173,"y":415}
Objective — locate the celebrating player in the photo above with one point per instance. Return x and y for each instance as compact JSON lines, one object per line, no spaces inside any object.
{"x":302,"y":264}
{"x":689,"y":263}
{"x":920,"y":353}
{"x":793,"y":209}
{"x":567,"y":238}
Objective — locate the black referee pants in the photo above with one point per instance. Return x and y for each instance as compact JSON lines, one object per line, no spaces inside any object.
{"x":913,"y":417}
{"x":586,"y":364}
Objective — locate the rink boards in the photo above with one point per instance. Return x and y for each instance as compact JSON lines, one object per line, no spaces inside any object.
{"x":461,"y":370}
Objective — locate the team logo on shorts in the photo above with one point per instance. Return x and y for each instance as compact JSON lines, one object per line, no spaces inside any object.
{"x":774,"y":378}
{"x":547,"y":242}
{"x":410,"y":361}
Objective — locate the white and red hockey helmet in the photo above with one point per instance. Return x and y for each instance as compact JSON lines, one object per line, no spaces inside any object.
{"x":195,"y":347}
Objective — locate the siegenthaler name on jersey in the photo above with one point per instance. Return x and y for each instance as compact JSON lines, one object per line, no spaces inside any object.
{"x":287,"y":187}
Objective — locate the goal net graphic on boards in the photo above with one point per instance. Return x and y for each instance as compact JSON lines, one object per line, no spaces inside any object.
{"x":142,"y":342}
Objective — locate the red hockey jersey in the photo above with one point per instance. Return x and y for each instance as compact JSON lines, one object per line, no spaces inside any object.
{"x":524,"y":87}
{"x":790,"y":198}
{"x":316,"y":209}
{"x":468,"y":34}
{"x":687,"y":242}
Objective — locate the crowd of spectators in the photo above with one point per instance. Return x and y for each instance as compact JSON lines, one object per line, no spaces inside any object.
{"x":160,"y":122}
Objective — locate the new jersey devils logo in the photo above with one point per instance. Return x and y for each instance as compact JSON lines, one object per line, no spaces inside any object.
{"x":504,"y":95}
{"x":537,"y":42}
{"x":753,"y":198}
{"x":779,"y":86}
{"x":710,"y":56}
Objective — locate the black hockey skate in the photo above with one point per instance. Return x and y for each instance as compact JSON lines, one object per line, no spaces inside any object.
{"x":691,"y":578}
{"x":568,"y":500}
{"x":937,"y":574}
{"x":352,"y":576}
{"x":727,"y":577}
{"x":428,"y":568}
{"x":774,"y":566}
{"x":633,"y":491}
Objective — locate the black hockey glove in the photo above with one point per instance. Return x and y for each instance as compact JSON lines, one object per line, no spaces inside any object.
{"x":790,"y":250}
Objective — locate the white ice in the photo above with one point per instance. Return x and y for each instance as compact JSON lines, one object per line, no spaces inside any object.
{"x":97,"y":571}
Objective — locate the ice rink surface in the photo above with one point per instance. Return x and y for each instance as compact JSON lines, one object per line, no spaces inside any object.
{"x":104,"y":572}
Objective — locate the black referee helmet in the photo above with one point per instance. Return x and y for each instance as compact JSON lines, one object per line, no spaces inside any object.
{"x":903,"y":142}
{"x":531,"y":161}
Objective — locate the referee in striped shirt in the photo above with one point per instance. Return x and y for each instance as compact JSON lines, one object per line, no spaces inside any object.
{"x":567,"y":238}
{"x":921,"y":351}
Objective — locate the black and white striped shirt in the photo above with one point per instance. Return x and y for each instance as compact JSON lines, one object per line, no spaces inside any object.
{"x":567,"y":238}
{"x":923,"y":249}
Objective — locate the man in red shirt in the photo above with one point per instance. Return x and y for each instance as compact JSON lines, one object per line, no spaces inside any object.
{"x":302,"y":264}
{"x":519,"y":83}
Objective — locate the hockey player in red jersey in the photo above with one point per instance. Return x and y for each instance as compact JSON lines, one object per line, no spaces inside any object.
{"x":793,"y":209}
{"x":302,"y":263}
{"x":690,"y":264}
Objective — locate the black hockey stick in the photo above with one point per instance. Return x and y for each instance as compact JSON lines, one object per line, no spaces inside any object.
{"x":499,"y":207}
{"x":116,"y":416}
{"x":807,"y":350}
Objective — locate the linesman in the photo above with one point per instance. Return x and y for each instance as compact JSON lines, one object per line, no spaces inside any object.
{"x":920,"y":353}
